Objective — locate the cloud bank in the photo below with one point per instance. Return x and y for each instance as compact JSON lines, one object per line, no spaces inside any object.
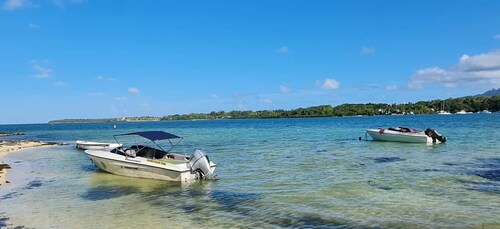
{"x":476,"y":70}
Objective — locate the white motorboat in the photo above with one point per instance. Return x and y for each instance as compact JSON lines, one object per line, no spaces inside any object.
{"x":152,"y":161}
{"x":405,"y":134}
{"x":96,"y":145}
{"x":461,"y":112}
{"x":443,"y":112}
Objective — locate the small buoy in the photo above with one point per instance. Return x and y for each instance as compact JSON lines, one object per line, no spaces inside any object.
{"x":114,"y":126}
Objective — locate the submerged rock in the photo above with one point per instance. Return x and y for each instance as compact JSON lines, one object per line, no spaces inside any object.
{"x":388,"y":159}
{"x":490,"y":174}
{"x":4,"y":166}
{"x":5,"y":134}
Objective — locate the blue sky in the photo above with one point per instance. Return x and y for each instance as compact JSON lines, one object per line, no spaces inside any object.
{"x":93,"y":59}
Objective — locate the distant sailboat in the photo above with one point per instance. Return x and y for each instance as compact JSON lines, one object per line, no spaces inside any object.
{"x":442,"y":111}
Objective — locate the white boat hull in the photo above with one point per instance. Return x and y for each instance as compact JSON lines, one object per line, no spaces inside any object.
{"x":85,"y":145}
{"x":396,"y":136}
{"x":165,"y":169}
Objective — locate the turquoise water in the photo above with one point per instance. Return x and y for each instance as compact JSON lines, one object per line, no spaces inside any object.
{"x":272,"y":173}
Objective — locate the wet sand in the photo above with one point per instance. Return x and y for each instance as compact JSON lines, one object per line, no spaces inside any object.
{"x":9,"y":146}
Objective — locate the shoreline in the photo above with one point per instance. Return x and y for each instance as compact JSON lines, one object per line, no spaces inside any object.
{"x":10,"y":146}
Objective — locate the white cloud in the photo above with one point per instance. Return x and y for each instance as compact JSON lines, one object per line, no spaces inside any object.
{"x":265,"y":101}
{"x":284,"y":89}
{"x":433,"y":74}
{"x":33,"y":26}
{"x":100,"y":93}
{"x":17,"y":4}
{"x":41,"y":72}
{"x":367,"y":50}
{"x":121,"y":99}
{"x":102,"y":78}
{"x":60,"y":84}
{"x":133,"y":90}
{"x":497,"y":36}
{"x":391,"y":87}
{"x":214,"y":96}
{"x":475,"y":70}
{"x":283,"y":50}
{"x":481,"y":62}
{"x":63,"y":3}
{"x":330,"y":84}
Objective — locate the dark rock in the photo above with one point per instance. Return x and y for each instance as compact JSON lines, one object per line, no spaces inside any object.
{"x":5,"y":134}
{"x":388,"y":159}
{"x":4,"y":166}
{"x":490,"y":174}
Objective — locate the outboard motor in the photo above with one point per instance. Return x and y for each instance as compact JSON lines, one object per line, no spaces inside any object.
{"x":200,"y":165}
{"x":435,"y":135}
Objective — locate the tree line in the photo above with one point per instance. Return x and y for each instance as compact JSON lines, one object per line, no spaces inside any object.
{"x":468,"y":104}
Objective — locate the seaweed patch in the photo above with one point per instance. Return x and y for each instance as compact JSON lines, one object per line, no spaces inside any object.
{"x":35,"y":183}
{"x":490,"y":174}
{"x":106,"y":192}
{"x":10,"y":195}
{"x":388,"y":159}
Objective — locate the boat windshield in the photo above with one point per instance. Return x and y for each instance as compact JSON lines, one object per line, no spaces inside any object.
{"x":149,"y":141}
{"x":403,"y":129}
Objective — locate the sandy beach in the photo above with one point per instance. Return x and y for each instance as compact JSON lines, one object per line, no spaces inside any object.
{"x":9,"y":146}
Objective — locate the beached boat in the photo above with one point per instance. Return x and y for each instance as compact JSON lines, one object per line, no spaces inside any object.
{"x":96,"y":145}
{"x":405,"y":134}
{"x":150,"y":160}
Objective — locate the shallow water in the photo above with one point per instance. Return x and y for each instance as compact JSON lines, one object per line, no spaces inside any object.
{"x":272,"y":173}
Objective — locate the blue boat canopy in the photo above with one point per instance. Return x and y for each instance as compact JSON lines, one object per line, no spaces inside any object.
{"x":153,"y":135}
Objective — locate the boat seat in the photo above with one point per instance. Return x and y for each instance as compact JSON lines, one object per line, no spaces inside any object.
{"x":131,"y":152}
{"x":169,"y":156}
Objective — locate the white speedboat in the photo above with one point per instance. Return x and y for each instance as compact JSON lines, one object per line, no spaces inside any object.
{"x":461,"y":112}
{"x":96,"y":145}
{"x":150,"y":160}
{"x":405,"y":134}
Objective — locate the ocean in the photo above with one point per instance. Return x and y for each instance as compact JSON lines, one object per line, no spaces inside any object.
{"x":272,"y":173}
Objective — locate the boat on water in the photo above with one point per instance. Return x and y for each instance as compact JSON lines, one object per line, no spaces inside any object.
{"x":405,"y":134}
{"x":95,"y":145}
{"x":461,"y":112}
{"x":442,"y":111}
{"x":148,"y":159}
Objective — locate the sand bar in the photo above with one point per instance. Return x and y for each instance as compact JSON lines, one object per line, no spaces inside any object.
{"x":9,"y":146}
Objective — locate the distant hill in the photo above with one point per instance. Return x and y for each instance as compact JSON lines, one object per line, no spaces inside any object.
{"x":492,"y":92}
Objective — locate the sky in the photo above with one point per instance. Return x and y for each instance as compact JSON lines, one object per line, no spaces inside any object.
{"x":102,"y":58}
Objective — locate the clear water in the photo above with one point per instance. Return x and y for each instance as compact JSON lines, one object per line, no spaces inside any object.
{"x":272,"y":173}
